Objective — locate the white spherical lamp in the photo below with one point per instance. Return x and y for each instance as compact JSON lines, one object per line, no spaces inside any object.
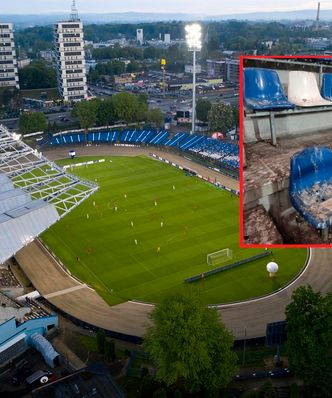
{"x":272,"y":269}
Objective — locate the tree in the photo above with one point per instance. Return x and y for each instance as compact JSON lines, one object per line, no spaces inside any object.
{"x":155,"y":117}
{"x":202,"y":109}
{"x":189,"y":345}
{"x":109,"y":350}
{"x":220,"y":117}
{"x":31,"y":122}
{"x":111,"y":68}
{"x":236,"y":116}
{"x":86,"y":111}
{"x":7,"y":95}
{"x":37,"y":75}
{"x":160,"y":393}
{"x":309,"y":338}
{"x":101,"y":338}
{"x":143,"y":97}
{"x":128,"y":108}
{"x":104,"y":114}
{"x":133,"y":67}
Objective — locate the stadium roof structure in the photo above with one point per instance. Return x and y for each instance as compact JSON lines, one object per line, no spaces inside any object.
{"x":34,"y":193}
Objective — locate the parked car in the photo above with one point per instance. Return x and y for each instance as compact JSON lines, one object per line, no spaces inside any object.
{"x":39,"y":377}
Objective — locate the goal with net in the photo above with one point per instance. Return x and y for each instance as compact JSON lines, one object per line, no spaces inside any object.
{"x":219,"y":257}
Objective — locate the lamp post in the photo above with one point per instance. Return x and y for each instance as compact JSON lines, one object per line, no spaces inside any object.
{"x":193,"y":37}
{"x":163,"y":67}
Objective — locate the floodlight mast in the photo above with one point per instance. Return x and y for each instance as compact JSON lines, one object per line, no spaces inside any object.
{"x":193,"y":37}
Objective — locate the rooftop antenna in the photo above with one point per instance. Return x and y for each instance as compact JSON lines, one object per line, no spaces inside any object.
{"x":74,"y":12}
{"x":317,"y":16}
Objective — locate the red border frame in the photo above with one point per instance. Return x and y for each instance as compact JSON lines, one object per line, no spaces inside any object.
{"x":241,"y":108}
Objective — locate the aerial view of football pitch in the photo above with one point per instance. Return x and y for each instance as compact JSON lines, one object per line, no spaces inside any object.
{"x":150,"y":226}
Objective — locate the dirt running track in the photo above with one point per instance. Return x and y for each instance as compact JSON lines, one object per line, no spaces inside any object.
{"x":131,"y":318}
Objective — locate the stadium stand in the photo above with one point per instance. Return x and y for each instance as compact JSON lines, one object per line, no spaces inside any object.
{"x":227,"y":154}
{"x":7,"y":278}
{"x":36,"y":311}
{"x":34,"y":192}
{"x":310,"y":186}
{"x":263,"y":90}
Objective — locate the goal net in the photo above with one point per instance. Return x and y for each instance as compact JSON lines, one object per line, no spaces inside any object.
{"x":219,"y":257}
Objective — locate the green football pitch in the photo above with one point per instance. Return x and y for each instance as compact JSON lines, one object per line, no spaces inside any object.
{"x":150,"y":226}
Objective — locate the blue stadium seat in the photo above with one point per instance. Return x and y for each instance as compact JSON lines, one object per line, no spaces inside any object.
{"x":263,"y":90}
{"x":191,"y":140}
{"x":160,"y":138}
{"x":148,"y":136}
{"x":326,"y":89}
{"x":177,"y":139}
{"x":225,"y":153}
{"x":310,"y":187}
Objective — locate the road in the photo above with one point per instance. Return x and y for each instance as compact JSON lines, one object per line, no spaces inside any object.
{"x":164,"y":104}
{"x":12,"y":123}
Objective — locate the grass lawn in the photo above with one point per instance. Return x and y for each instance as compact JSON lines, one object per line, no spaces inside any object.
{"x":197,"y":219}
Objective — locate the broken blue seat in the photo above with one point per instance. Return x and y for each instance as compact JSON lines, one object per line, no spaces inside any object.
{"x":263,"y":90}
{"x":310,"y":186}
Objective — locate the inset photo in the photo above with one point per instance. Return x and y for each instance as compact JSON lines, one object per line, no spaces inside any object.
{"x":286,"y":159}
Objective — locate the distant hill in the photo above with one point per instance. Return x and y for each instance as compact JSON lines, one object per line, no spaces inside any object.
{"x":136,"y":17}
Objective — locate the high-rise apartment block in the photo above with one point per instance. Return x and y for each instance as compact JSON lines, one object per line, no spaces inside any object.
{"x":70,"y":58}
{"x":167,"y":38}
{"x":140,"y":36}
{"x":8,"y":63}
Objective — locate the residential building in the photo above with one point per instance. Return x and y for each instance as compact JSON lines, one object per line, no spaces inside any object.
{"x":23,"y":62}
{"x":167,"y":38}
{"x":70,"y":58}
{"x":227,"y":69}
{"x":123,"y":79}
{"x":233,"y":70}
{"x":189,"y":69}
{"x":8,"y":63}
{"x":318,"y":43}
{"x":47,"y":55}
{"x":140,"y":36}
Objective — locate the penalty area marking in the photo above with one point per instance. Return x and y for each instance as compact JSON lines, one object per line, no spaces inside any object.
{"x":271,"y":294}
{"x":218,"y":306}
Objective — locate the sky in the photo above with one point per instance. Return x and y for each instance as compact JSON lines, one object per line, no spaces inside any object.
{"x":207,"y":7}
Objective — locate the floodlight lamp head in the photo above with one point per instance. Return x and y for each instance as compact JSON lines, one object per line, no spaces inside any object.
{"x":194,"y":36}
{"x":16,"y":136}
